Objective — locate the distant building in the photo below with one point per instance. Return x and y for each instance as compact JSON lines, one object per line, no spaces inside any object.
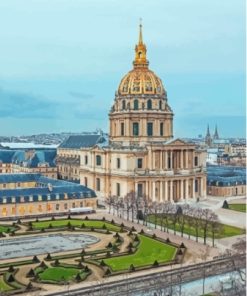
{"x":29,"y":161}
{"x":208,"y":139}
{"x":226,"y":181}
{"x":33,"y":194}
{"x":216,"y":135}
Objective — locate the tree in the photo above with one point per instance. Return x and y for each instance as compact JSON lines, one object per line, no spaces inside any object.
{"x":127,"y":204}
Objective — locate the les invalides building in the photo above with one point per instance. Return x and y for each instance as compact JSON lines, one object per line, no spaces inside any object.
{"x":140,"y":153}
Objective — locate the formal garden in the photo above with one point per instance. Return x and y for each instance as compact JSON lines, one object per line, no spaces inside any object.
{"x":98,"y":246}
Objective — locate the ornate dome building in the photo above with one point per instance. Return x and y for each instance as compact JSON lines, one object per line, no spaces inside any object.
{"x":140,"y":154}
{"x":140,"y":113}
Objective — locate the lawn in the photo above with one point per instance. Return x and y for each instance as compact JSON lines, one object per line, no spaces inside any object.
{"x":5,"y":228}
{"x":74,"y":222}
{"x":148,"y":251}
{"x":225,"y":230}
{"x":237,"y":207}
{"x":4,"y":286}
{"x":60,"y":274}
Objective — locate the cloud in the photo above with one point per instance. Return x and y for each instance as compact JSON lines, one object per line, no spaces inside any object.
{"x":80,"y":95}
{"x":24,"y":105}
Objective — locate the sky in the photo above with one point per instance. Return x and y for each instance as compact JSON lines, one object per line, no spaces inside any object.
{"x":61,"y":62}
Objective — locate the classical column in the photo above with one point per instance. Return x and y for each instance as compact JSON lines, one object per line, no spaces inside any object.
{"x":166,"y":160}
{"x":146,"y":189}
{"x":186,"y":189}
{"x":171,"y":158}
{"x":171,"y":191}
{"x":193,"y":188}
{"x":186,"y":159}
{"x":161,"y":160}
{"x":161,"y":192}
{"x":181,"y":189}
{"x":166,"y":190}
{"x":182,"y":159}
{"x":153,"y":193}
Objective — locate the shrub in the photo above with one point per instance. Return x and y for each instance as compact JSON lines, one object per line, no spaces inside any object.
{"x":168,"y":240}
{"x":12,"y":233}
{"x":48,"y":257}
{"x":142,"y":231}
{"x":121,"y":229}
{"x":133,"y":228}
{"x":130,"y":233}
{"x":11,"y":268}
{"x":50,"y":225}
{"x":136,"y":239}
{"x":154,"y":235}
{"x":104,"y":226}
{"x":82,"y":258}
{"x":122,"y":225}
{"x":29,"y":223}
{"x":130,"y":251}
{"x":180,"y":252}
{"x":10,"y":278}
{"x":182,"y":246}
{"x":132,"y":267}
{"x":69,"y":225}
{"x":130,"y":245}
{"x":13,"y":224}
{"x":225,"y":205}
{"x":80,"y":265}
{"x":36,"y":259}
{"x":102,"y":263}
{"x":52,"y":218}
{"x":29,"y":286}
{"x":56,"y":262}
{"x":103,"y":219}
{"x":112,"y":221}
{"x":118,"y":240}
{"x":31,"y":273}
{"x":116,"y":235}
{"x":30,"y":228}
{"x":43,"y":265}
{"x":42,"y":229}
{"x":156,"y":263}
{"x":86,"y":269}
{"x":18,"y":221}
{"x":37,"y":219}
{"x":78,"y":277}
{"x":108,"y":271}
{"x":83,"y":251}
{"x":86,"y":218}
{"x":108,"y":254}
{"x":108,"y":231}
{"x":82,"y":225}
{"x":8,"y":230}
{"x":109,"y":245}
{"x":114,"y":248}
{"x":69,"y":217}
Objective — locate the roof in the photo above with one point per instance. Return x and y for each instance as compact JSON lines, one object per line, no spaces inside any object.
{"x":225,"y":176}
{"x":32,"y":159}
{"x":80,"y":141}
{"x":49,"y":189}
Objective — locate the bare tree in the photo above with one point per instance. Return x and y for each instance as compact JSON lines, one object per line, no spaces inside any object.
{"x":127,"y":204}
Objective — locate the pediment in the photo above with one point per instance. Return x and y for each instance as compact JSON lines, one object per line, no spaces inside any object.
{"x":177,"y":142}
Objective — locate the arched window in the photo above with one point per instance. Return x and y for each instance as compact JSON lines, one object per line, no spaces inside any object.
{"x":160,"y":105}
{"x":196,"y":161}
{"x":123,"y":105}
{"x":149,"y":104}
{"x":135,"y":129}
{"x":136,"y":107}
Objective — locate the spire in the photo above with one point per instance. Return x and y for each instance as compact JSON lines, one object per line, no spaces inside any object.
{"x":140,"y":32}
{"x":216,"y":135}
{"x":208,"y":139}
{"x":140,"y":49}
{"x":208,"y":131}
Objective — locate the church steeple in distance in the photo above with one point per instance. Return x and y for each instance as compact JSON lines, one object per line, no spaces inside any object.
{"x":208,"y":139}
{"x":216,"y":135}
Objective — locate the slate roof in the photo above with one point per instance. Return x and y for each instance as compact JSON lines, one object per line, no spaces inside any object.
{"x":225,"y":176}
{"x":80,"y":141}
{"x":20,"y":157}
{"x":49,"y":189}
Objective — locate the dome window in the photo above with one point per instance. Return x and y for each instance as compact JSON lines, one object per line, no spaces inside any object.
{"x":149,"y":104}
{"x":136,"y":105}
{"x":160,"y":105}
{"x":123,"y":105}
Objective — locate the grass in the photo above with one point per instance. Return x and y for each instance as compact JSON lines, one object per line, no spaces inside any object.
{"x":148,"y":251}
{"x":237,"y":207}
{"x":4,"y":287}
{"x":77,"y":223}
{"x":225,"y":230}
{"x":60,"y":274}
{"x":6,"y":228}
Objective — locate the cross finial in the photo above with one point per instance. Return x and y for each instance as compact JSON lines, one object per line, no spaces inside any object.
{"x":140,"y":33}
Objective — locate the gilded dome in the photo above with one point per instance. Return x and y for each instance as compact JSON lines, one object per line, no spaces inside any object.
{"x":141,"y":80}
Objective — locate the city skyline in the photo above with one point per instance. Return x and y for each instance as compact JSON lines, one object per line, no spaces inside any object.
{"x":61,"y":74}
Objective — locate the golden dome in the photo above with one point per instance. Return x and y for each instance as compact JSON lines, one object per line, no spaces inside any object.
{"x":141,"y":80}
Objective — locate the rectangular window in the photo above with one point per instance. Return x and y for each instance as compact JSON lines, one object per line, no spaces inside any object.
{"x":196,"y":185}
{"x":149,"y":129}
{"x":196,"y":161}
{"x":139,"y":163}
{"x":135,"y":129}
{"x":118,"y":189}
{"x":86,"y":159}
{"x":161,"y":128}
{"x":98,"y":184}
{"x":98,"y":160}
{"x":57,"y":207}
{"x":139,"y":190}
{"x":122,"y":129}
{"x":66,"y":206}
{"x":73,"y":205}
{"x":118,"y":163}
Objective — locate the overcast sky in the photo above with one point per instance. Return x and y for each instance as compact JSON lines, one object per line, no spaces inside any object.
{"x":61,"y":62}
